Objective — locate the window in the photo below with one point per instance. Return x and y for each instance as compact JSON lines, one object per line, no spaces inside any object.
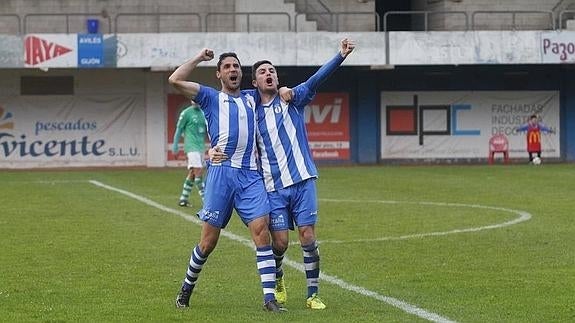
{"x":47,"y":85}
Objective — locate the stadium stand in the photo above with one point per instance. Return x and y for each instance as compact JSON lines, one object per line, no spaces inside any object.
{"x":133,"y":16}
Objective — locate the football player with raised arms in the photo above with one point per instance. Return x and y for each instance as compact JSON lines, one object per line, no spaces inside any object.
{"x":288,"y":167}
{"x":232,"y":184}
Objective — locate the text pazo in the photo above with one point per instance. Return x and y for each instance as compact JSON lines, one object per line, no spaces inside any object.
{"x":563,"y":49}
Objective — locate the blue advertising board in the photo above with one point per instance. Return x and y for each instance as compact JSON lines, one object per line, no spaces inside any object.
{"x":90,"y":50}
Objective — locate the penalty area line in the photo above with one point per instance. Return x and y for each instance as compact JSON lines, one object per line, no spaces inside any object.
{"x":402,"y":305}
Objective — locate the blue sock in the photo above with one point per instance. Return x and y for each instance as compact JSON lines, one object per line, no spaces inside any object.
{"x":267,"y":269}
{"x":311,"y":266}
{"x":197,"y":261}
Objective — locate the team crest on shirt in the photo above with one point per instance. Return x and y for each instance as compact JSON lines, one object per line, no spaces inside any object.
{"x":277,"y":108}
{"x":251,"y":101}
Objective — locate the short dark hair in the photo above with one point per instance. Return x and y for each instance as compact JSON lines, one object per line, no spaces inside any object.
{"x":533,"y":116}
{"x":258,"y":64}
{"x":226,"y":55}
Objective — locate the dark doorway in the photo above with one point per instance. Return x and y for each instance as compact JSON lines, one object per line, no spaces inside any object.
{"x":395,"y":22}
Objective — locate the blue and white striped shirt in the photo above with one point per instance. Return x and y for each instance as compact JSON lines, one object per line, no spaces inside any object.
{"x":231,"y":125}
{"x":286,"y":157}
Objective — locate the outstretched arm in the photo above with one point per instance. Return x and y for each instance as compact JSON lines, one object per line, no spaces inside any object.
{"x":346,"y":47}
{"x":521,"y":128}
{"x":544,"y":128}
{"x":178,"y":78}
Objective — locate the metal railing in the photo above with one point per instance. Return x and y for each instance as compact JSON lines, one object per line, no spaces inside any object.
{"x":316,"y":10}
{"x":67,"y":16}
{"x":515,"y":20}
{"x":334,"y":19}
{"x":248,"y":15}
{"x":157,"y":19}
{"x":426,"y":15}
{"x":15,"y":16}
{"x":561,"y":4}
{"x":514,"y":14}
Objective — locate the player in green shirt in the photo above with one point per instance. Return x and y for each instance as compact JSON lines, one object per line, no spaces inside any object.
{"x":192,"y":124}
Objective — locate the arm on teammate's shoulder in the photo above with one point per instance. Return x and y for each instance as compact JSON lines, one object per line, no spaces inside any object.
{"x":286,"y":93}
{"x":346,"y":47}
{"x":178,"y":78}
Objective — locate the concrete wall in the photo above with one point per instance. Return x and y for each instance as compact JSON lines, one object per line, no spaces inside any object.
{"x":348,"y":21}
{"x":270,"y":15}
{"x":338,"y":15}
{"x":375,"y":49}
{"x":86,"y":82}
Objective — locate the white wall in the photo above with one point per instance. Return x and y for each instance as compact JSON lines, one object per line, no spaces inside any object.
{"x":156,"y":119}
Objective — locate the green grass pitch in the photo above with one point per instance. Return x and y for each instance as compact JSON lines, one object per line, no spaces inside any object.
{"x":397,"y":243}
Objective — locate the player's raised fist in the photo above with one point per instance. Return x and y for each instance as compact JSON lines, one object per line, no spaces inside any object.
{"x":347,"y":46}
{"x":206,"y":54}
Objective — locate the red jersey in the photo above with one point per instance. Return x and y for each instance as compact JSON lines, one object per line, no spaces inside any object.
{"x":533,"y":139}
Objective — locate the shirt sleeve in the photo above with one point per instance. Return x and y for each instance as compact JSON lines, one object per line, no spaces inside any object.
{"x":544,"y":128}
{"x":324,"y":72}
{"x":206,"y":98}
{"x":179,"y":126}
{"x":302,"y":95}
{"x":305,"y":92}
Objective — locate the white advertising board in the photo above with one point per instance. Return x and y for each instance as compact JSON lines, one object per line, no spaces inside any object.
{"x":50,"y":50}
{"x":72,"y":131}
{"x":459,"y":124}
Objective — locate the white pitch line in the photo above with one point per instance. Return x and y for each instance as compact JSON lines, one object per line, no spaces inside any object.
{"x":406,"y":307}
{"x":51,"y":182}
{"x":523,"y":216}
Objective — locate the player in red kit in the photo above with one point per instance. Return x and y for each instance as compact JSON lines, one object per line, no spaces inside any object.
{"x":534,"y":129}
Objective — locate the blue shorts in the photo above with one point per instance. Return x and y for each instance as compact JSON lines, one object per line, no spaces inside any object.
{"x":295,"y":204}
{"x":229,"y":188}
